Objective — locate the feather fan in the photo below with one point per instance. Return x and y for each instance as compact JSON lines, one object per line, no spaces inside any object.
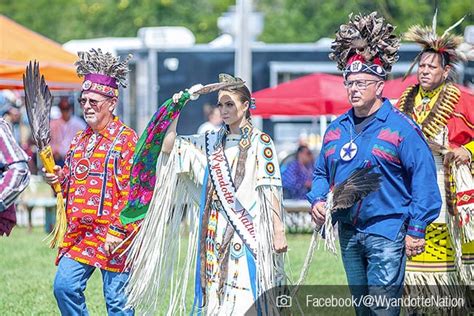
{"x":38,"y":102}
{"x":38,"y":105}
{"x":344,"y":195}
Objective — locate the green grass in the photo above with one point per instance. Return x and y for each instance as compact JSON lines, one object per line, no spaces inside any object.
{"x":28,"y":272}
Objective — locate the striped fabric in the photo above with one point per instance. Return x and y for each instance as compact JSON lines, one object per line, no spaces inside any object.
{"x":14,"y":176}
{"x":14,"y":173}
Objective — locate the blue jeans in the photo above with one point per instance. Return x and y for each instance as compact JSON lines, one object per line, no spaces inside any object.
{"x":375,"y":266}
{"x":70,"y":283}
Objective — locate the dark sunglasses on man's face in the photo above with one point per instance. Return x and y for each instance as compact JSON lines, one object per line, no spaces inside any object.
{"x":92,"y":102}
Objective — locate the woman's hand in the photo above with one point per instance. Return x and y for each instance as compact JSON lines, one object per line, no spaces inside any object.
{"x":279,"y":242}
{"x":177,"y":96}
{"x":192,"y":93}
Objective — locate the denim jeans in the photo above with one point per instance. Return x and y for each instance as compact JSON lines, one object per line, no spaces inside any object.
{"x":375,"y":267}
{"x":70,"y":283}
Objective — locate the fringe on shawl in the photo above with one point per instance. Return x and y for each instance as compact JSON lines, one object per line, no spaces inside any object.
{"x":270,"y":265}
{"x":329,"y":242}
{"x":158,"y":275}
{"x":464,"y":182}
{"x":329,"y":234}
{"x":441,"y":285}
{"x":158,"y":278}
{"x":461,"y":226}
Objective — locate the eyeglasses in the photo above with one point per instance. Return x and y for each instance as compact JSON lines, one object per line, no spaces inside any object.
{"x":92,"y":102}
{"x":359,"y":84}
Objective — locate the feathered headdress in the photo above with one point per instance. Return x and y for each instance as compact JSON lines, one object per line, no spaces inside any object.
{"x":102,"y":72}
{"x":446,"y":45}
{"x":365,"y":44}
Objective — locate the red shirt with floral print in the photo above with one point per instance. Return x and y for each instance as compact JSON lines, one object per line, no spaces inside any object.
{"x":96,"y":186}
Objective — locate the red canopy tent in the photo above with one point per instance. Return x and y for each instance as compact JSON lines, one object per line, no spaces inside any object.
{"x":324,"y":94}
{"x":315,"y":94}
{"x":394,"y":88}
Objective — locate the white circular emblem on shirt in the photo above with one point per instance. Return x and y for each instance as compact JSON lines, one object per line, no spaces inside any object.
{"x":87,"y":85}
{"x":356,"y":66}
{"x":379,"y":69}
{"x":348,"y":151}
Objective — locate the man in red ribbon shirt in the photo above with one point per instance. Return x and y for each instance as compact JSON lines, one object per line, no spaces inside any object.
{"x":95,"y":181}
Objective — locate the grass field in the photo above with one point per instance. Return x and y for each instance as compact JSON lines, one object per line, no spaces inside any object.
{"x":28,"y":271}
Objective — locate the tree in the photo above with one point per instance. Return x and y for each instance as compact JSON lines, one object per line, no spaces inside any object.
{"x":310,"y":20}
{"x":285,"y":20}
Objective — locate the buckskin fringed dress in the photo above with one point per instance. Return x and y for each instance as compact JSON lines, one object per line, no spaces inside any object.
{"x":229,"y":187}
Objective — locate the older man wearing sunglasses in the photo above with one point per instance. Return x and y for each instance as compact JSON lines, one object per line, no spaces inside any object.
{"x":95,"y":181}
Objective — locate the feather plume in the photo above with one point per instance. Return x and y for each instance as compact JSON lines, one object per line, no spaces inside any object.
{"x":355,"y":188}
{"x":347,"y":193}
{"x":96,"y":62}
{"x":38,"y":101}
{"x":226,"y":82}
{"x":231,"y":80}
{"x":447,"y":43}
{"x":369,"y":36}
{"x":433,"y":25}
{"x":452,"y":27}
{"x":344,"y":195}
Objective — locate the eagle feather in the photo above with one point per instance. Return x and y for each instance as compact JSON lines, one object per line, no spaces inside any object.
{"x":38,"y":101}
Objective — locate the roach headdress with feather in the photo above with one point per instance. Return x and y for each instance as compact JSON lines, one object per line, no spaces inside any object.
{"x":365,"y":44}
{"x":102,"y":73}
{"x":445,"y":45}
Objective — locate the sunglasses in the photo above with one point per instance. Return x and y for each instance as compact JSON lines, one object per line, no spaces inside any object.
{"x":92,"y":102}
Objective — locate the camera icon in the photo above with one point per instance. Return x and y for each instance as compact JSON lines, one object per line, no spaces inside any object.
{"x":284,"y":301}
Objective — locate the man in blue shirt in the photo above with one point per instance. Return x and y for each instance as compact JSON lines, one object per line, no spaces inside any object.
{"x":377,"y":233}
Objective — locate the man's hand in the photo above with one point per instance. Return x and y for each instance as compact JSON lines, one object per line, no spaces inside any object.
{"x":279,"y":242}
{"x":458,"y":155}
{"x":414,"y":245}
{"x":111,"y":242}
{"x":318,"y":213}
{"x":52,"y":178}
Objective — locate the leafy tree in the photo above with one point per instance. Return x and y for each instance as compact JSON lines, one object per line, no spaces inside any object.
{"x":63,"y":20}
{"x":285,"y":20}
{"x":310,"y":20}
